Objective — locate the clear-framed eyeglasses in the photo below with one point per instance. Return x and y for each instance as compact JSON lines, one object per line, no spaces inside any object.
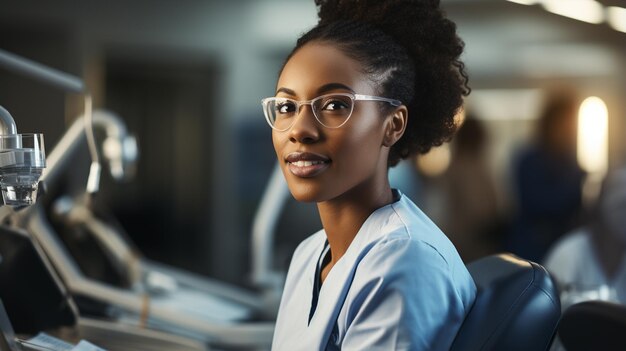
{"x":330,"y":110}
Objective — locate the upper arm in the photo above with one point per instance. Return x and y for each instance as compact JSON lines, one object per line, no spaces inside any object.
{"x":403,"y":296}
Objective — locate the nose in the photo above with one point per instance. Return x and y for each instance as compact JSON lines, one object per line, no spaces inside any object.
{"x":305,"y":128}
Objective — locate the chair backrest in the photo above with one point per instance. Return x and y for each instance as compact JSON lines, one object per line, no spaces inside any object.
{"x":594,"y":325}
{"x":517,"y":306}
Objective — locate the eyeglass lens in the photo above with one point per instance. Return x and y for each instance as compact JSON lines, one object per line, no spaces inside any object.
{"x":330,"y":110}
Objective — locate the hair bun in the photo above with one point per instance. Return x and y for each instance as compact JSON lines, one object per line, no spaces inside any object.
{"x":373,"y":12}
{"x":407,"y":22}
{"x":411,"y":49}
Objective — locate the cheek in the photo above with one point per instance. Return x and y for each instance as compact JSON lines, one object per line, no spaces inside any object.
{"x":359,"y":147}
{"x":277,"y":142}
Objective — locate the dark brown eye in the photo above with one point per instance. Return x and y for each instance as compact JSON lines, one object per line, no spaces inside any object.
{"x":336,"y":103}
{"x":285,"y":106}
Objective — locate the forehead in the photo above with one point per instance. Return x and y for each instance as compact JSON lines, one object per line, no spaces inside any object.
{"x":317,"y":64}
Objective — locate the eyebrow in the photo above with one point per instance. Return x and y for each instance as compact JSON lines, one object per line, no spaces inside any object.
{"x":333,"y":86}
{"x":286,"y":91}
{"x":324,"y":88}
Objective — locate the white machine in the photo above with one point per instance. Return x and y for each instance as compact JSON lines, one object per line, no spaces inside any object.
{"x":160,"y":299}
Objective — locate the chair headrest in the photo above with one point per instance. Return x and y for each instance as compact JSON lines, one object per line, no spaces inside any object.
{"x":517,"y":306}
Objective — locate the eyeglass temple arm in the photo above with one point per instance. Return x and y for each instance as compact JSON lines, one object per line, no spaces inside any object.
{"x":394,"y":102}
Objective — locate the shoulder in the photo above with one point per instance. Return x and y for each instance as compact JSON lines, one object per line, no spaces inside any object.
{"x":401,"y":254}
{"x":409,"y":225}
{"x":567,"y":250}
{"x":412,"y":260}
{"x":572,"y":260}
{"x":412,"y":274}
{"x":412,"y":251}
{"x":409,"y":248}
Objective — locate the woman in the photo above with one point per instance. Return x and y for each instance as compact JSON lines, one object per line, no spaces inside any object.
{"x":547,"y":180}
{"x":372,"y":83}
{"x":590,"y":261}
{"x":470,"y":216}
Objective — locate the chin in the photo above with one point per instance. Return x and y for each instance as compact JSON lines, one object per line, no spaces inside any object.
{"x":303,"y":192}
{"x":304,"y":195}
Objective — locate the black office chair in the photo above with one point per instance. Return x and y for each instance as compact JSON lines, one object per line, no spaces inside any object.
{"x":517,"y":306}
{"x":594,"y":325}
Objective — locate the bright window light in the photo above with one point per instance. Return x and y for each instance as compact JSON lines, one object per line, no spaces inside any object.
{"x":589,"y":11}
{"x":616,"y":16}
{"x":593,"y":136}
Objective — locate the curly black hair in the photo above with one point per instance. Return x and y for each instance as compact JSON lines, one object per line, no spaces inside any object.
{"x":411,"y":50}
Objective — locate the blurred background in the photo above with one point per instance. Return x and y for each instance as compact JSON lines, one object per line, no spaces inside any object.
{"x":187,"y":78}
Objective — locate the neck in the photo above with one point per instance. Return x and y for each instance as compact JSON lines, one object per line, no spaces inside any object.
{"x":342,"y":217}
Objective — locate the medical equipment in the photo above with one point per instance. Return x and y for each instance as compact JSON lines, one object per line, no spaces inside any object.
{"x":7,"y":335}
{"x":158,"y":297}
{"x":22,"y":158}
{"x":263,"y":231}
{"x":36,"y":300}
{"x":66,"y":82}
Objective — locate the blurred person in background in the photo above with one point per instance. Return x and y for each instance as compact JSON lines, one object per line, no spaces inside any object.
{"x":470,"y":218}
{"x":548,"y":181}
{"x":589,"y":262}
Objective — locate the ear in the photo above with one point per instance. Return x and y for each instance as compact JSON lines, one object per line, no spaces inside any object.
{"x":395,"y":124}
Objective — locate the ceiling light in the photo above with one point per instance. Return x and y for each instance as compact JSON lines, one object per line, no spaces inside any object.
{"x":593,"y":144}
{"x":616,"y":16}
{"x":583,"y":10}
{"x":525,"y":2}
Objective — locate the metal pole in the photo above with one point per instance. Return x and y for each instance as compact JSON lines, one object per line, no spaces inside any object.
{"x":36,"y":70}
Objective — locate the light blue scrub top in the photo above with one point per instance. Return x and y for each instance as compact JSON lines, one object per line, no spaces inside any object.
{"x":401,"y":285}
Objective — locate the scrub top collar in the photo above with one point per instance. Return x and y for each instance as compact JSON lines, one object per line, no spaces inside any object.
{"x":344,"y":269}
{"x":322,"y":261}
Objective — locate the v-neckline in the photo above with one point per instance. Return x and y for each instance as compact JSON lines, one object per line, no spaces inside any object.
{"x":323,"y":260}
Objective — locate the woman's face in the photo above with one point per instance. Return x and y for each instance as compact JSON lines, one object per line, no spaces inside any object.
{"x":320,"y":163}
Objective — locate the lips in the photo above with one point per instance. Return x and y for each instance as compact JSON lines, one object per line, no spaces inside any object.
{"x":306,"y":164}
